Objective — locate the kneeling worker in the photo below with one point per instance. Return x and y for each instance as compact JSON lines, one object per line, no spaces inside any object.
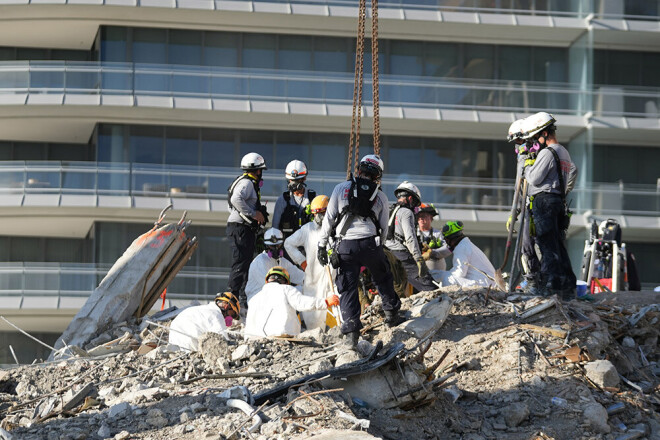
{"x":470,"y":267}
{"x":272,"y":311}
{"x":402,"y":237}
{"x":213,"y":317}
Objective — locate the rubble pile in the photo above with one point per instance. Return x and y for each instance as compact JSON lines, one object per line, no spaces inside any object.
{"x":468,"y":364}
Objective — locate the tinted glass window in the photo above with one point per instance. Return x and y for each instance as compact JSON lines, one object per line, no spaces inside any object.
{"x":185,"y":47}
{"x":221,"y":49}
{"x":182,"y":146}
{"x":146,"y":144}
{"x":149,"y":46}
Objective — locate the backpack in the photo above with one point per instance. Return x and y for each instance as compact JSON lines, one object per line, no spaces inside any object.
{"x":362,"y":196}
{"x":293,"y":217}
{"x":391,"y":223}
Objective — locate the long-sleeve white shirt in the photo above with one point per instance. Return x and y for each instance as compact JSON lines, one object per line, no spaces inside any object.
{"x":193,"y":322}
{"x":272,"y":311}
{"x":466,"y":257}
{"x":260,"y":266}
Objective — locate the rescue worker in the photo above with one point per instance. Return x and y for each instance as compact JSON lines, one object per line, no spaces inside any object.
{"x":246,"y":215}
{"x":317,"y":283}
{"x":272,"y":256}
{"x":214,"y":317}
{"x":530,"y":261}
{"x":470,"y":267}
{"x":550,"y":177}
{"x":402,"y":236}
{"x":273,"y":310}
{"x":434,"y":249}
{"x":357,"y":220}
{"x":291,"y":208}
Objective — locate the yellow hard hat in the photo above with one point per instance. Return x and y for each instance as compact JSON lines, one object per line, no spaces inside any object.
{"x":279,"y":271}
{"x":230,"y":299}
{"x":319,"y":204}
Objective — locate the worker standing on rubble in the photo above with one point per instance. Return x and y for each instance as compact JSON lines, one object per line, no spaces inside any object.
{"x":246,"y":215}
{"x":402,"y":237}
{"x":550,"y":177}
{"x":214,"y":317}
{"x":271,"y":257}
{"x":356,"y":219}
{"x":291,"y":208}
{"x":317,"y":284}
{"x":470,"y":267}
{"x":273,"y":310}
{"x":434,"y":249}
{"x":530,"y":261}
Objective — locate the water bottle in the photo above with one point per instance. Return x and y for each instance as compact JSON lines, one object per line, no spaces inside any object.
{"x":559,"y":402}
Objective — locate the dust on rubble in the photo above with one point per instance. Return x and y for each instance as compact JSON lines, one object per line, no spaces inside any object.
{"x":498,"y":367}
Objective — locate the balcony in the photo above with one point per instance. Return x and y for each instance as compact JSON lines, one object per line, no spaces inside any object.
{"x":198,"y":189}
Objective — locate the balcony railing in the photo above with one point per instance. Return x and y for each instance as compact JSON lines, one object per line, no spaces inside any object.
{"x":59,"y":285}
{"x":122,"y":179}
{"x":134,"y":80}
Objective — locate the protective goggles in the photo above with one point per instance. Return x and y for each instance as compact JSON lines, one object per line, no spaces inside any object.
{"x":452,"y":228}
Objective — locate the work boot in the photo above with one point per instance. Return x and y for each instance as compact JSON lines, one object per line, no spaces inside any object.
{"x":351,"y":339}
{"x":393,"y":318}
{"x":532,"y":288}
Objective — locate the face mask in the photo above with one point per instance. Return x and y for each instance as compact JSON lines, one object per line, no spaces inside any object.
{"x":261,"y":183}
{"x":296,"y":185}
{"x":536,"y":146}
{"x":275,"y":253}
{"x":318,"y":218}
{"x":228,"y":321}
{"x":416,"y":209}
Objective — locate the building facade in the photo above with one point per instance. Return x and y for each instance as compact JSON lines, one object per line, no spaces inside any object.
{"x":112,"y":109}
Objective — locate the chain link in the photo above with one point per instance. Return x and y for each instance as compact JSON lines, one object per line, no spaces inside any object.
{"x":374,"y":74}
{"x":357,"y":93}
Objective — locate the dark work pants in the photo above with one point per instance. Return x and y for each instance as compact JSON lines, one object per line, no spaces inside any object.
{"x":242,"y":239}
{"x":408,"y":262}
{"x":528,"y":251}
{"x":353,"y":254}
{"x":555,"y":263}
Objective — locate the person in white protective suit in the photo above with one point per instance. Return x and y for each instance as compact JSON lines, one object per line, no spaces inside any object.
{"x":272,"y":256}
{"x":272,"y":311}
{"x":317,"y":283}
{"x":471,"y":267}
{"x":193,"y":322}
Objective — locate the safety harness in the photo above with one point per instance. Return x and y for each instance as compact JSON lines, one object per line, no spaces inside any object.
{"x":293,"y":217}
{"x":255,"y":182}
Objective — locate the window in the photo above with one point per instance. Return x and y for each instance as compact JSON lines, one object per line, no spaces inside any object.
{"x":404,"y":156}
{"x":514,"y":63}
{"x":331,"y":54}
{"x":181,"y":146}
{"x":290,"y":146}
{"x":185,"y":47}
{"x":259,"y":51}
{"x":149,"y":46}
{"x":218,"y":148}
{"x":220,"y":49}
{"x":295,"y":53}
{"x":146,"y":144}
{"x":478,"y":61}
{"x":113,"y":44}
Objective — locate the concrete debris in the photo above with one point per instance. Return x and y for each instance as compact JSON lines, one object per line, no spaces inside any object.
{"x":602,"y":373}
{"x":473,"y":370}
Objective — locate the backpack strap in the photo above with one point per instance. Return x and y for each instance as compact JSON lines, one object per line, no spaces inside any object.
{"x":560,"y":174}
{"x":230,"y":192}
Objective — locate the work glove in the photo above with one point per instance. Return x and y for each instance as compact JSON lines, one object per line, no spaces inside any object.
{"x":332,"y":300}
{"x":508,"y":223}
{"x":425,"y":247}
{"x":529,"y":162}
{"x":436,"y":243}
{"x":426,"y":255}
{"x":532,"y":227}
{"x":303,"y":265}
{"x":423,"y":271}
{"x":322,"y":255}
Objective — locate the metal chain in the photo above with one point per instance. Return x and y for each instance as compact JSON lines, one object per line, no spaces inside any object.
{"x":374,"y":74}
{"x":357,"y":92}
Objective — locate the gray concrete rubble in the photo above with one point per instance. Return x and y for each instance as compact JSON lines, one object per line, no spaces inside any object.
{"x":132,"y":285}
{"x":465,"y":365}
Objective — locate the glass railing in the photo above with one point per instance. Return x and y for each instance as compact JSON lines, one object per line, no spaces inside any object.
{"x":78,"y":280}
{"x":90,"y":78}
{"x":122,"y":179}
{"x":135,"y":80}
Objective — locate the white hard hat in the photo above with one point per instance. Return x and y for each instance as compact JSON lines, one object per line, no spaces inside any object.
{"x":253,"y":161}
{"x":515,"y":130}
{"x":537,"y":123}
{"x":273,"y":237}
{"x":295,"y":170}
{"x":373,"y":163}
{"x":406,"y":188}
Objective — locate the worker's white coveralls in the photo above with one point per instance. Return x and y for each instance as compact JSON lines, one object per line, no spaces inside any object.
{"x":260,"y":266}
{"x":272,"y":311}
{"x":193,"y":322}
{"x":317,"y":282}
{"x":463,"y":274}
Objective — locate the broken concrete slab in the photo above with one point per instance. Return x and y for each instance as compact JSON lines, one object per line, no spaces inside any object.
{"x":76,"y":397}
{"x":344,"y":434}
{"x":602,"y":373}
{"x":432,"y":316}
{"x":596,"y":415}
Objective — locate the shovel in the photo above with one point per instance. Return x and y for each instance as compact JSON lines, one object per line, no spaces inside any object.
{"x":499,"y":279}
{"x":335,"y":309}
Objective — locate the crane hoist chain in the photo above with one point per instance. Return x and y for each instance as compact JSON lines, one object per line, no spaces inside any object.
{"x":356,"y":120}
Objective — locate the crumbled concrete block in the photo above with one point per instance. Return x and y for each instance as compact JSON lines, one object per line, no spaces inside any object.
{"x":120,"y":410}
{"x":124,"y":435}
{"x":321,"y":365}
{"x":242,"y":352}
{"x":602,"y":373}
{"x":104,"y":431}
{"x":515,"y":414}
{"x":596,"y":416}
